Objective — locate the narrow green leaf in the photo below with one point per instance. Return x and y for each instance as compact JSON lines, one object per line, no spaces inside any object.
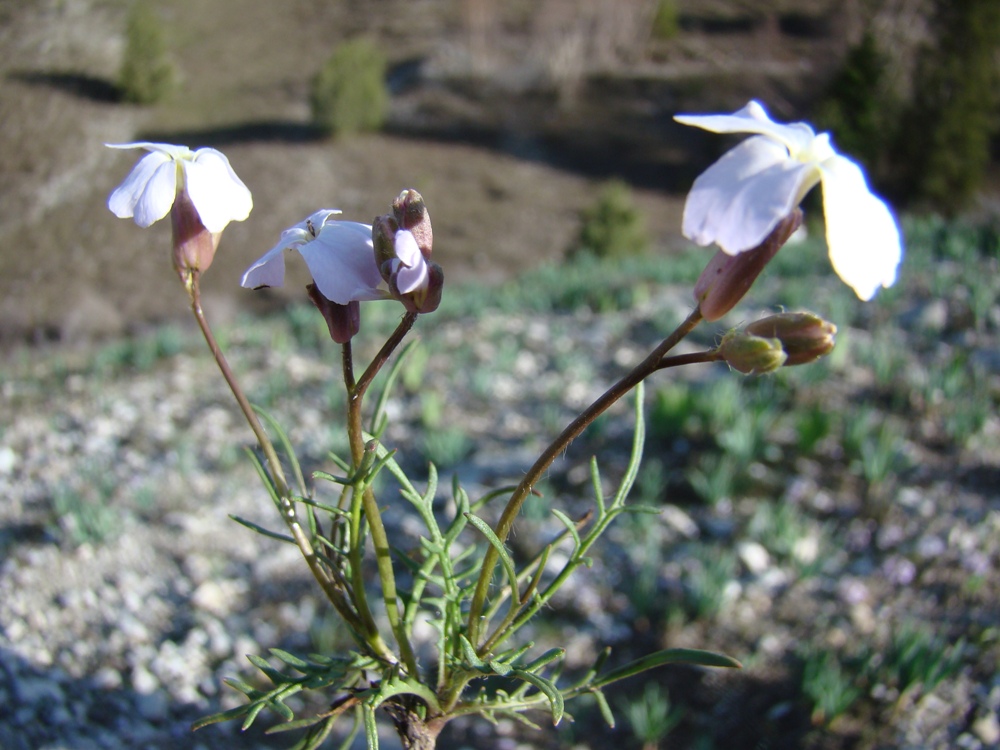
{"x":290,"y":726}
{"x":492,"y":495}
{"x":545,"y":659}
{"x":379,"y":416}
{"x":264,"y":476}
{"x":349,"y":739}
{"x":548,"y":689}
{"x":252,"y":714}
{"x":505,"y":559}
{"x":331,"y":477}
{"x":261,"y":530}
{"x":285,"y":712}
{"x":274,"y":675}
{"x":669,"y":656}
{"x":248,"y":690}
{"x":570,"y":527}
{"x":602,"y":704}
{"x":292,"y":660}
{"x":499,"y":667}
{"x":286,"y":446}
{"x":469,"y":653}
{"x":635,"y":459}
{"x":232,"y":713}
{"x":595,"y":480}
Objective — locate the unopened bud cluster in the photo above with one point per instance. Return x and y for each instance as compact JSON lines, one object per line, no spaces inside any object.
{"x":403,"y":241}
{"x":781,"y":340}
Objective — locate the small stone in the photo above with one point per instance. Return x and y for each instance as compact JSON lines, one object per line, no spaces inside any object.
{"x":8,"y":460}
{"x":217,"y":597}
{"x":987,"y":729}
{"x":754,"y":557}
{"x":679,"y":521}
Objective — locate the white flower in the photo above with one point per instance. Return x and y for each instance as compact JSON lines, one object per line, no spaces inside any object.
{"x":739,"y":200}
{"x":148,"y":193}
{"x":339,"y":255}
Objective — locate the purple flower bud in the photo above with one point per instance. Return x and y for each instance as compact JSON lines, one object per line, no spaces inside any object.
{"x":411,"y":214}
{"x":727,"y":278}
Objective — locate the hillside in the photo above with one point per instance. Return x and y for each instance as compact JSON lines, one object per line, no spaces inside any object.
{"x":503,"y":119}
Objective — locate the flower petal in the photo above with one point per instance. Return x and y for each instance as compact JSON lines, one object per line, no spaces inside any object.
{"x":753,"y":118}
{"x":342,"y":262}
{"x":216,"y":192}
{"x":158,"y":195}
{"x":407,"y":249}
{"x":268,"y":270}
{"x":861,"y":234}
{"x":124,"y":198}
{"x":171,"y":150}
{"x":738,"y":201}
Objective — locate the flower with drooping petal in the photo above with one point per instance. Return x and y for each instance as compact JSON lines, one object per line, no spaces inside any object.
{"x":339,"y":255}
{"x":149,"y":191}
{"x":739,"y":200}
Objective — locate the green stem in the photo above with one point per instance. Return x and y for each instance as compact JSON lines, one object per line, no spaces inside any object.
{"x":380,"y":539}
{"x":640,"y":372}
{"x":320,"y":573}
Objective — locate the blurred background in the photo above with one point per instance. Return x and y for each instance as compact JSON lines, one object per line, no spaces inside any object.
{"x":507,"y":116}
{"x":836,"y":527}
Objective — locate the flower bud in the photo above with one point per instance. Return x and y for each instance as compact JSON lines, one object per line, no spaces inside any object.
{"x":194,"y":246}
{"x":411,"y":214}
{"x":344,"y":321}
{"x":727,"y":278}
{"x":751,"y":355}
{"x":804,"y":337}
{"x":384,"y":230}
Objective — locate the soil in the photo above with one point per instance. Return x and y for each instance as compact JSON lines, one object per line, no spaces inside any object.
{"x":506,"y":139}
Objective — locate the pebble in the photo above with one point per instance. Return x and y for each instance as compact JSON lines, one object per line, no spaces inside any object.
{"x":753,"y":556}
{"x":987,"y":728}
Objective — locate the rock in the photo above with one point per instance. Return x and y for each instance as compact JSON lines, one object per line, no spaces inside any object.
{"x":987,"y":729}
{"x":754,"y":557}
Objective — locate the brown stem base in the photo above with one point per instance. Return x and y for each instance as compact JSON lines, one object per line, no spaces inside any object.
{"x":414,"y":732}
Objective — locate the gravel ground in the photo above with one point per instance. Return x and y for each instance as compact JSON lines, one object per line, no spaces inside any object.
{"x":127,"y":594}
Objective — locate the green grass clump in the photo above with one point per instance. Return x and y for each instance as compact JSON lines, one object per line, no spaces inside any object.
{"x":918,"y":656}
{"x":651,"y":716}
{"x":612,"y":227}
{"x":147,"y":75}
{"x":349,"y":94}
{"x":828,"y":687}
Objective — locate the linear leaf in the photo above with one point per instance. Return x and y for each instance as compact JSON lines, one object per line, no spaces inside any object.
{"x":548,"y":689}
{"x":505,"y":559}
{"x":668,"y":656}
{"x":261,"y":530}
